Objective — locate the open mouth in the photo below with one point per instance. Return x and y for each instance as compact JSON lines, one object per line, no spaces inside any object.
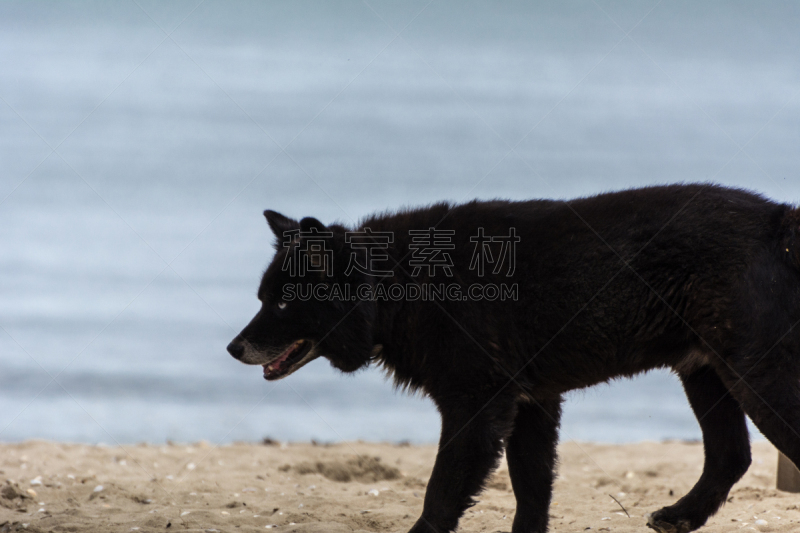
{"x":288,"y":361}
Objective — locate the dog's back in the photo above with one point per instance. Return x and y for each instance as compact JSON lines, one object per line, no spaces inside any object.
{"x":651,"y":277}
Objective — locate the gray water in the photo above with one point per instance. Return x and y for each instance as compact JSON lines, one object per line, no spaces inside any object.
{"x":140,"y":142}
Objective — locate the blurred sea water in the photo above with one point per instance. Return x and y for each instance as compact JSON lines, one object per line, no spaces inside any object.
{"x":141,"y":141}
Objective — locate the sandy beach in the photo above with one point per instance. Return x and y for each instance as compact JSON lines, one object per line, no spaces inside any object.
{"x":351,"y":487}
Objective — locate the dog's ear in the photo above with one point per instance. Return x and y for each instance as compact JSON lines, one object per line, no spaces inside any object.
{"x":309,"y":223}
{"x":279,"y":223}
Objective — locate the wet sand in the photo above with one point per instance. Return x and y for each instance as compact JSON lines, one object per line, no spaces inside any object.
{"x":49,"y":486}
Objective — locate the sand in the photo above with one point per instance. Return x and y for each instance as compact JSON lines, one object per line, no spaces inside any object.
{"x":351,"y":487}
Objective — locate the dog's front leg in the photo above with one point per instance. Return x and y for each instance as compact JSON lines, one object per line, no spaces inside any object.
{"x":531,"y":456}
{"x":470,"y":446}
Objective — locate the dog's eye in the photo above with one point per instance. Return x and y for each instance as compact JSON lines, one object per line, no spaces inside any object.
{"x":282,"y":305}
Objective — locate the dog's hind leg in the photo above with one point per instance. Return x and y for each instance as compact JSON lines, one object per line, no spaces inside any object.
{"x":771,"y":398}
{"x":531,"y":456}
{"x":727,"y":453}
{"x":469,"y":449}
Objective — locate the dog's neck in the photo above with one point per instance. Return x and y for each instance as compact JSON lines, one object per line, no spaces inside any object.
{"x":393,"y":316}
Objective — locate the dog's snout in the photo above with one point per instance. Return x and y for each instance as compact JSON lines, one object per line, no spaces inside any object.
{"x":236,"y":348}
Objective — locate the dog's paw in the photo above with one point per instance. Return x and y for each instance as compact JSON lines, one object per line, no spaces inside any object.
{"x":658,"y":522}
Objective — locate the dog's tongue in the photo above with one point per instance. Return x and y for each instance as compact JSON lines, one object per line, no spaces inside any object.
{"x":275,"y":366}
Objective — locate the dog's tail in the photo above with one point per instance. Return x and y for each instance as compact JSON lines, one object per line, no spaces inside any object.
{"x":790,"y":236}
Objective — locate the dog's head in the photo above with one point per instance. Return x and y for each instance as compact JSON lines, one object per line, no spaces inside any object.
{"x":308,"y":309}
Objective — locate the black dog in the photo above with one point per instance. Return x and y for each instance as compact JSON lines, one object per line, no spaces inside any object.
{"x":495,"y":309}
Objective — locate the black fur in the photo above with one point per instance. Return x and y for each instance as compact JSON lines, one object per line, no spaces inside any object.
{"x":701,"y":279}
